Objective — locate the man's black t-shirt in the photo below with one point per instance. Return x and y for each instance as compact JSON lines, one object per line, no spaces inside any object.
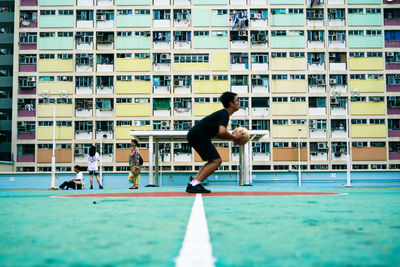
{"x":208,"y":127}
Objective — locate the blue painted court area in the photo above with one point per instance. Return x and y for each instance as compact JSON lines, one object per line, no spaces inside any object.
{"x":360,"y":228}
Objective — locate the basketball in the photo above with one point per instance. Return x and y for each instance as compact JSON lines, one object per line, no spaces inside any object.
{"x":243,"y":133}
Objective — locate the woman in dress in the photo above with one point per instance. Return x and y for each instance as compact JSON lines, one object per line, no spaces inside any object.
{"x":134,"y":173}
{"x":93,"y":168}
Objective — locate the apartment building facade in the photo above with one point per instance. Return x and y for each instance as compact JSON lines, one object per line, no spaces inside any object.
{"x":314,"y":71}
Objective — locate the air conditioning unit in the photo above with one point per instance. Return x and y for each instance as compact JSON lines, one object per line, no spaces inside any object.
{"x":389,"y":54}
{"x":184,"y":11}
{"x":23,"y":34}
{"x":215,"y":77}
{"x":165,"y":56}
{"x":64,"y":78}
{"x":332,"y":81}
{"x":31,"y":79}
{"x":322,"y":146}
{"x":359,"y":144}
{"x":219,"y":33}
{"x":101,"y":17}
{"x":397,"y":76}
{"x":333,"y":11}
{"x":242,"y":33}
{"x":255,"y":76}
{"x":178,"y":33}
{"x":164,"y":124}
{"x":176,"y":82}
{"x":321,"y":82}
{"x":334,"y":100}
{"x":375,"y":99}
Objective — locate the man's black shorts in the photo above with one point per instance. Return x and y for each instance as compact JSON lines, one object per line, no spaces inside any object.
{"x":204,"y":147}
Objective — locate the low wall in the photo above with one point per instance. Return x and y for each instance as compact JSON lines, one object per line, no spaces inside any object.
{"x":23,"y":181}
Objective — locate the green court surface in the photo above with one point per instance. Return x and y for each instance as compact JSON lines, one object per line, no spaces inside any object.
{"x":361,"y":228}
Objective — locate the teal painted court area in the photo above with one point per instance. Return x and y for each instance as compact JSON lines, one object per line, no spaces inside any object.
{"x":360,"y":228}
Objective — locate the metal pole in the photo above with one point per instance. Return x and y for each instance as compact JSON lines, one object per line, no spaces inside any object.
{"x":101,"y":159}
{"x":298,"y":152}
{"x":53,"y":158}
{"x":348,"y":184}
{"x":151,"y":155}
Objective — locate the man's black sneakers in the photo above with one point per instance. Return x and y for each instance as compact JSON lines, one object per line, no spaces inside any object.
{"x":198,"y":189}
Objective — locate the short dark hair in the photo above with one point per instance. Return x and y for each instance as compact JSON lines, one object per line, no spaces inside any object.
{"x":77,"y":167}
{"x":227,"y":97}
{"x":92,"y":151}
{"x":135,"y":141}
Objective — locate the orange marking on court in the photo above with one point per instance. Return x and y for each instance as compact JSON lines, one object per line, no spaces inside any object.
{"x":213,"y":194}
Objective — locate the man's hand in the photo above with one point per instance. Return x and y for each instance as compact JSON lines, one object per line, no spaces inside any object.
{"x":70,"y":180}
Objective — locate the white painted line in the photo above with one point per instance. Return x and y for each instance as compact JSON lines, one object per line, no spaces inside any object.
{"x":196,"y":248}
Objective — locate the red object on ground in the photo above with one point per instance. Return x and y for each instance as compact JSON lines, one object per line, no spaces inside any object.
{"x":213,"y":194}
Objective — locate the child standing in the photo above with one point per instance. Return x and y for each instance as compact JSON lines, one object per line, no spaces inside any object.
{"x":78,"y":181}
{"x":93,"y":168}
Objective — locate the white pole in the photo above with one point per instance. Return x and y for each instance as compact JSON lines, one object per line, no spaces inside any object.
{"x":151,"y":155}
{"x":101,"y":159}
{"x":298,"y":152}
{"x":347,"y":143}
{"x":53,"y":158}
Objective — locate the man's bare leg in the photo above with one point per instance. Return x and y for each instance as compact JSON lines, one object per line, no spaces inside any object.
{"x":205,"y":171}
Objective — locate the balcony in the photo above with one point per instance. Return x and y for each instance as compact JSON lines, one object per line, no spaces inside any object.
{"x":62,"y":133}
{"x":26,"y":113}
{"x":364,"y":20}
{"x":289,"y":154}
{"x":133,"y":65}
{"x":277,"y":63}
{"x":369,"y":153}
{"x":26,"y":158}
{"x":79,"y":134}
{"x":26,"y":135}
{"x":361,"y":41}
{"x":368,"y":131}
{"x":133,"y":87}
{"x":127,"y":109}
{"x":122,"y":154}
{"x":61,"y":155}
{"x":29,"y":3}
{"x":289,"y":109}
{"x":210,"y":42}
{"x":27,"y":68}
{"x":56,"y":65}
{"x":289,"y":131}
{"x":394,"y":155}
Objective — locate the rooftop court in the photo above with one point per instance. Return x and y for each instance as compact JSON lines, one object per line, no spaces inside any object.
{"x":256,"y":226}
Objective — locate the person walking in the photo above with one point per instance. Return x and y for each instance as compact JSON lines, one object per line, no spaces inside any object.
{"x":93,"y":168}
{"x":134,"y":165}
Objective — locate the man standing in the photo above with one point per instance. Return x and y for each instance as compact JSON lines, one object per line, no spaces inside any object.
{"x":200,"y":135}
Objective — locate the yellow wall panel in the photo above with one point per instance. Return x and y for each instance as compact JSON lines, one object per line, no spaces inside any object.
{"x":210,"y":87}
{"x":368,"y":108}
{"x":133,"y":110}
{"x":368,"y":86}
{"x":289,"y":131}
{"x":289,"y":109}
{"x":132,"y":87}
{"x":132,"y":64}
{"x":204,"y":109}
{"x":62,"y":111}
{"x":220,"y":61}
{"x":122,"y":132}
{"x":368,"y":131}
{"x":288,"y":86}
{"x":46,"y":133}
{"x":55,"y":88}
{"x":278,"y":63}
{"x":56,"y":65}
{"x":372,"y":63}
{"x":191,"y":66}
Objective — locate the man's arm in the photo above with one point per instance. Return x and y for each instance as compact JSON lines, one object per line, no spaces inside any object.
{"x":224,"y":134}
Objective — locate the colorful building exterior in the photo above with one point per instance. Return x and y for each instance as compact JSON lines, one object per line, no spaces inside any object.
{"x":112,"y":66}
